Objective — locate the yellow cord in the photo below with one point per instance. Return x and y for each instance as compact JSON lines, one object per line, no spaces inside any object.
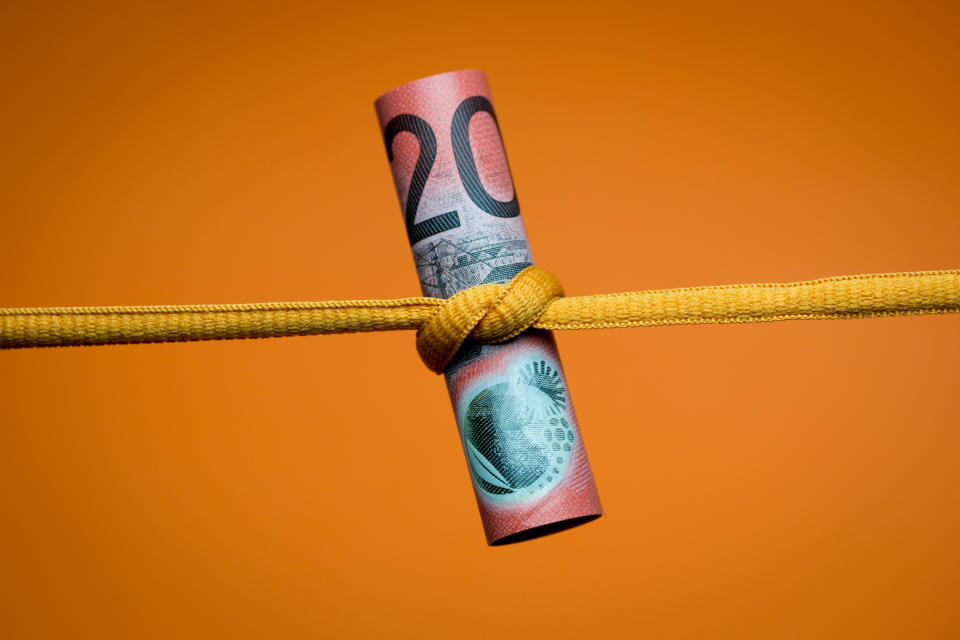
{"x":490,"y":313}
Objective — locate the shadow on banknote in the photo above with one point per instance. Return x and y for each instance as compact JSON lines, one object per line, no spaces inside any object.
{"x":544,"y":530}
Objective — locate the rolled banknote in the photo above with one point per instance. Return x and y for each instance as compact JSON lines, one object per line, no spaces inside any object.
{"x":524,"y":451}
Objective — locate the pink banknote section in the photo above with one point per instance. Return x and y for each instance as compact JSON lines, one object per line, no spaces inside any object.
{"x":520,"y":436}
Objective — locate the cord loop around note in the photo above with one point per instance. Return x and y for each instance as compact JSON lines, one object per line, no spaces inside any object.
{"x":486,"y":313}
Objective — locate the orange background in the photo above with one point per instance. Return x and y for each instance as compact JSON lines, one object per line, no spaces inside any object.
{"x":789,"y":480}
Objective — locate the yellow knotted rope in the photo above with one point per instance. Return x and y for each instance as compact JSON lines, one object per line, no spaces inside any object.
{"x":491,"y":312}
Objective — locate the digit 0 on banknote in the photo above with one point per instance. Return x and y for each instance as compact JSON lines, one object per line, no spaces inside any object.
{"x":523,"y":446}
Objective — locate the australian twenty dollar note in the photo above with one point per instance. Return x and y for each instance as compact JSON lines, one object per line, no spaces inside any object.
{"x":526,"y":457}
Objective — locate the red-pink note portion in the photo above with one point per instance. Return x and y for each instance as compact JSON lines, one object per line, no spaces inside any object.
{"x":524,"y":451}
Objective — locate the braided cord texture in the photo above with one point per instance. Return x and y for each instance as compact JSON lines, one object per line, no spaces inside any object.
{"x":838,"y":297}
{"x":491,"y":313}
{"x":64,"y":326}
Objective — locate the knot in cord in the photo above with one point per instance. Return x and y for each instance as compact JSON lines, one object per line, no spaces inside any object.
{"x":486,"y":313}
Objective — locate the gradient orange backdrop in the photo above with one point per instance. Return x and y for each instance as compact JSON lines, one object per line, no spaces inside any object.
{"x":790,"y":480}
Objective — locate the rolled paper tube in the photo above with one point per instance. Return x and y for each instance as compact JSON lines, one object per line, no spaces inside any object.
{"x":523,"y":446}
